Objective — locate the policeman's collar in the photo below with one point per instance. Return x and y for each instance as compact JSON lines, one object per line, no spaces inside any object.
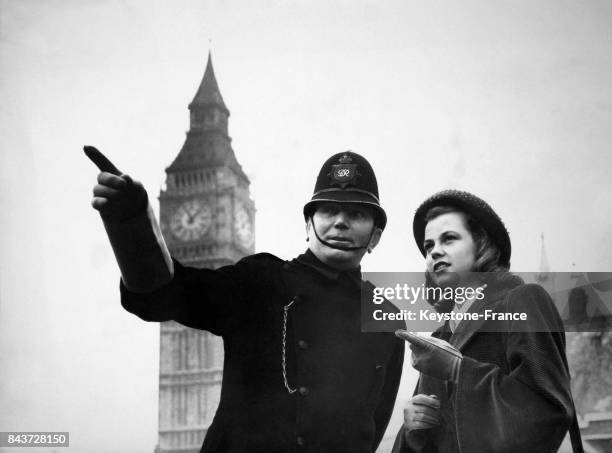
{"x":309,"y":259}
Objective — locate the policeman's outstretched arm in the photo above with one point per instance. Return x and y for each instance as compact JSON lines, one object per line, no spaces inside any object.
{"x":131,"y":227}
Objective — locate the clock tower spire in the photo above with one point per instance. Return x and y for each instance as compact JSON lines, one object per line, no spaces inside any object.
{"x":207,"y":219}
{"x":208,"y":92}
{"x":208,"y":143}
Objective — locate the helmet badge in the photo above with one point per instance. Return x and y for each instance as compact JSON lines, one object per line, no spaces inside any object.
{"x":344,"y":172}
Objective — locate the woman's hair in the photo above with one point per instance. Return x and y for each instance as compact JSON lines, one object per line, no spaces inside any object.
{"x":487,"y":254}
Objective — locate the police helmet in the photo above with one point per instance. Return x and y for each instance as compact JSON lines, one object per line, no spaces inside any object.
{"x":347,"y":177}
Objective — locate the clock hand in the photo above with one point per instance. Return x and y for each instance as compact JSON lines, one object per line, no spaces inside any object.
{"x":192,"y":216}
{"x":197,"y":213}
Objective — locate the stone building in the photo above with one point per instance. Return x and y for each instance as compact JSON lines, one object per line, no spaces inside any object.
{"x":207,"y":219}
{"x":584,"y":300}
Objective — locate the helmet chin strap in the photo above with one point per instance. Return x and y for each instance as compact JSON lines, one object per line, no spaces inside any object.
{"x":332,"y":246}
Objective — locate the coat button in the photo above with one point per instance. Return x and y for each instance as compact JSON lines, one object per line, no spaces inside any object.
{"x":303,"y":344}
{"x":300,"y":441}
{"x":304,"y":391}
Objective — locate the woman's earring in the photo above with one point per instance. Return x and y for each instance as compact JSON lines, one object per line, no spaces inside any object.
{"x":307,"y":239}
{"x":369,"y":249}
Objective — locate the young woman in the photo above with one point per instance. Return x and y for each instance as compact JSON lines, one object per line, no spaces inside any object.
{"x":506,"y":386}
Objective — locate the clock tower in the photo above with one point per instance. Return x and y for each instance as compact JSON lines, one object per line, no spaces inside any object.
{"x":207,"y":219}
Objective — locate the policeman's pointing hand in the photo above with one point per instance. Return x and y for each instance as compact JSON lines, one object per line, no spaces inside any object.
{"x":100,"y":160}
{"x":116,"y":196}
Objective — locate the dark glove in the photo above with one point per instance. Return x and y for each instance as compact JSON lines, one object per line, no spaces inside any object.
{"x":116,"y":196}
{"x":421,"y":414}
{"x":433,"y":357}
{"x":133,"y":231}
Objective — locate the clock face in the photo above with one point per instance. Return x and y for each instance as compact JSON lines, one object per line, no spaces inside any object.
{"x":243,"y":226}
{"x":191,"y":220}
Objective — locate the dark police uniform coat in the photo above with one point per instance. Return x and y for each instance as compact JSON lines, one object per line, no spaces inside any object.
{"x":513,"y":392}
{"x":340,"y":384}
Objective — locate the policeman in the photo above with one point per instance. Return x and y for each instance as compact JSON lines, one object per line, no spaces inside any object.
{"x":298,"y":373}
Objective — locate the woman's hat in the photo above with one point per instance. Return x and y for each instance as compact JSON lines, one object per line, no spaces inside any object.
{"x":347,"y":178}
{"x":472,"y":205}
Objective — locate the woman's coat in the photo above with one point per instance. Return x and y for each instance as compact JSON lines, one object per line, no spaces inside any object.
{"x":513,"y":391}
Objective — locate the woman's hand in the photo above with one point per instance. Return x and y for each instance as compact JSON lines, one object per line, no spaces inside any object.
{"x":422,"y":412}
{"x":433,"y":356}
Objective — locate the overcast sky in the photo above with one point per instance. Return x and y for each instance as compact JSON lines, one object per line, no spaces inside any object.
{"x":510,"y":100}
